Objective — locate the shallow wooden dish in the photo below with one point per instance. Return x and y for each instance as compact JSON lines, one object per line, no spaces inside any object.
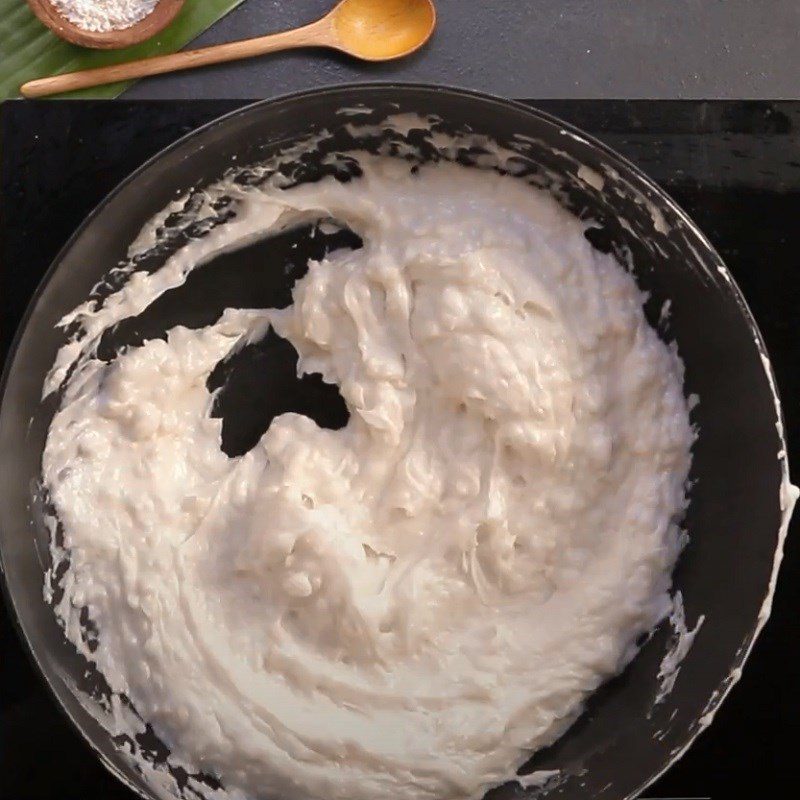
{"x":157,"y":20}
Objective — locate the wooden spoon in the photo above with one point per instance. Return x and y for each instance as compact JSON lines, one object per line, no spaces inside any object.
{"x":148,"y":26}
{"x":373,"y":30}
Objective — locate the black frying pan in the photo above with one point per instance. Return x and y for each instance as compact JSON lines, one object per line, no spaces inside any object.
{"x":623,"y":741}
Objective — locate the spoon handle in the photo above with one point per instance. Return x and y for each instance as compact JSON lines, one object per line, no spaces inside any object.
{"x":315,"y":34}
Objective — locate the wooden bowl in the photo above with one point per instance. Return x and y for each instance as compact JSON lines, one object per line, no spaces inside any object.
{"x":157,"y":20}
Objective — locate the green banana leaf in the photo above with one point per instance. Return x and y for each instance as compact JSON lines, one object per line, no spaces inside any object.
{"x":29,"y":50}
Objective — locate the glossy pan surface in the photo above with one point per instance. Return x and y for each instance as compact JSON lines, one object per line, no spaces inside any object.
{"x":624,"y":740}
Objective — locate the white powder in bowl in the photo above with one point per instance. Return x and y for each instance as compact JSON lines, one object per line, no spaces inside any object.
{"x":104,"y":15}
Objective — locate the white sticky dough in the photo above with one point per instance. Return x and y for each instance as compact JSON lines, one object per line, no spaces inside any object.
{"x":407,"y":607}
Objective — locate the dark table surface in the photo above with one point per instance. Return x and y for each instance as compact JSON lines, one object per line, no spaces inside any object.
{"x":531,"y":48}
{"x":734,"y":166}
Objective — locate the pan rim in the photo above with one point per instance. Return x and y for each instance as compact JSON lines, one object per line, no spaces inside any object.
{"x":634,"y":175}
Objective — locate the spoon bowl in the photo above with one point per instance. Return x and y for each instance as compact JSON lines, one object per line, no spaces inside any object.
{"x":380,"y":30}
{"x":158,"y":19}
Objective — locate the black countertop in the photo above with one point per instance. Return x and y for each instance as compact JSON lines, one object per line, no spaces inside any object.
{"x":734,"y":166}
